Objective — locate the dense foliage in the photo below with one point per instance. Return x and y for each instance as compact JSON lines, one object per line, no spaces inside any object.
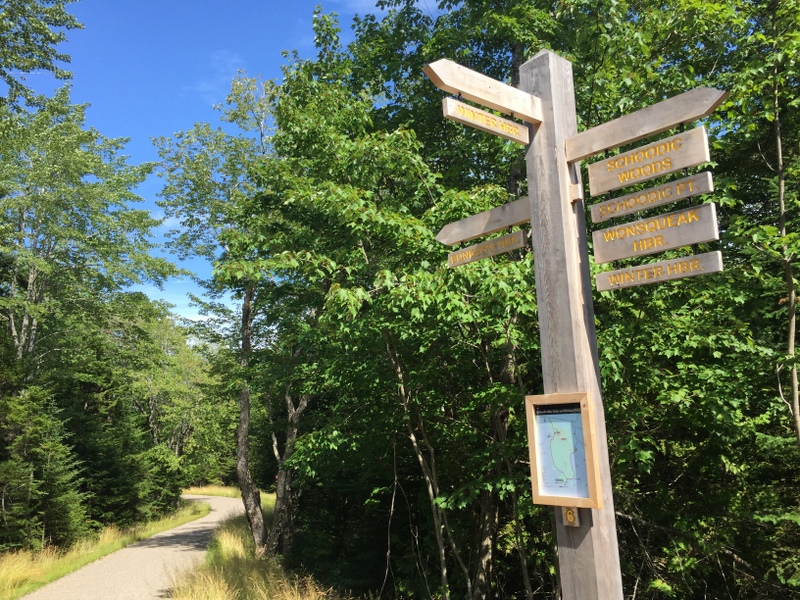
{"x":409,"y":470}
{"x":104,"y":404}
{"x":379,"y":391}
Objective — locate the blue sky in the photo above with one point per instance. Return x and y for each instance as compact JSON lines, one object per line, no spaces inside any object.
{"x":151,"y":68}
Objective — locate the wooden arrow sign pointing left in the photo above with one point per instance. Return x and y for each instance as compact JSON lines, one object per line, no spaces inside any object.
{"x":486,"y":222}
{"x":452,"y":77}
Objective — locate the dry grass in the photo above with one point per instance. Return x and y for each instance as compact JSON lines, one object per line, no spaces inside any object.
{"x":214,"y":490}
{"x":22,"y":572}
{"x":267,"y":500}
{"x":19,"y":568}
{"x":205,"y":585}
{"x":232,"y":573}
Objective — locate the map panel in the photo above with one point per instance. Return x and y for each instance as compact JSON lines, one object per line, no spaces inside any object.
{"x":562,"y":456}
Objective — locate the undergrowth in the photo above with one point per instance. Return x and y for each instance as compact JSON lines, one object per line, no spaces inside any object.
{"x":232,"y":572}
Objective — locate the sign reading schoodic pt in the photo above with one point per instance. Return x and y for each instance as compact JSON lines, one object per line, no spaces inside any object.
{"x":634,"y":202}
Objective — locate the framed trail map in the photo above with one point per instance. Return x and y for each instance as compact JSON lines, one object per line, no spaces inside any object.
{"x":561,"y":440}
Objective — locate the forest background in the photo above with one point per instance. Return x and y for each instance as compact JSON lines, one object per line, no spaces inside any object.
{"x":376,"y":391}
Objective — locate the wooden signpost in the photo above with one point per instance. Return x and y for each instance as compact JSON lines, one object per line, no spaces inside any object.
{"x":656,"y":234}
{"x":452,"y":77}
{"x":588,"y":555}
{"x":648,"y":162}
{"x":505,"y":243}
{"x":684,"y":108}
{"x":489,"y":221}
{"x":485,"y":121}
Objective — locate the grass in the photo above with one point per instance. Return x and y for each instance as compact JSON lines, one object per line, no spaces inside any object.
{"x":267,"y":500}
{"x":214,"y":490}
{"x":231,"y":572}
{"x":22,"y":572}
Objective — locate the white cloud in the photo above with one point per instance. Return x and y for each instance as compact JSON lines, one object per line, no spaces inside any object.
{"x":361,"y":7}
{"x":223,"y":66}
{"x":168,"y":223}
{"x":175,"y":292}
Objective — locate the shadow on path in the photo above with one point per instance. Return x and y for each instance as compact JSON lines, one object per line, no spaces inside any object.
{"x":147,"y":569}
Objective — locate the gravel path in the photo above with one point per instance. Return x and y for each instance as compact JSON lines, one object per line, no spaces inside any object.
{"x":146,"y":569}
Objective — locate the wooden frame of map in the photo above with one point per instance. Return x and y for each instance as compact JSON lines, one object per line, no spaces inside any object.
{"x":562,"y":445}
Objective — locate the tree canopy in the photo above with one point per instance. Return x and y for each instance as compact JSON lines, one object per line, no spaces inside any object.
{"x":31,"y":30}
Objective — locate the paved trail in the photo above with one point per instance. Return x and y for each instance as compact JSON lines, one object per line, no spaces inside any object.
{"x":147,"y":569}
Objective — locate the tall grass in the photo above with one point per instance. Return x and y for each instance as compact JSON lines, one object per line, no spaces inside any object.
{"x":22,"y":571}
{"x":214,"y":490}
{"x":231,"y":572}
{"x":267,"y":500}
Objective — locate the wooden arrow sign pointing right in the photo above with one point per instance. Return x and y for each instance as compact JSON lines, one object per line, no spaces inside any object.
{"x":452,"y":77}
{"x":684,"y":108}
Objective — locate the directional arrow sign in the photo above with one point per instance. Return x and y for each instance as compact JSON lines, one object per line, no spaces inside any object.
{"x":505,"y":243}
{"x":663,"y":232}
{"x":489,"y":221}
{"x":677,"y":268}
{"x":686,"y":107}
{"x":485,"y":121}
{"x":639,"y":200}
{"x":660,"y":158}
{"x":452,"y":77}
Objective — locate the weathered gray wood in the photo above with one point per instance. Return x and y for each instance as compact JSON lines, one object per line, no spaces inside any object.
{"x":634,"y":202}
{"x":504,"y":243}
{"x":486,"y":222}
{"x":485,"y":121}
{"x":452,"y":77}
{"x":588,"y":555}
{"x":677,"y":268}
{"x":660,"y":158}
{"x":684,"y":108}
{"x":656,"y":234}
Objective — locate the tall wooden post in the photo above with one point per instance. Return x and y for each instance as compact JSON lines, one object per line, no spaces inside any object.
{"x":588,"y":555}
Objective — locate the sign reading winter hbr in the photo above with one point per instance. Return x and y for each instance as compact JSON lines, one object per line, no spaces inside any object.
{"x":660,"y":158}
{"x":485,"y":121}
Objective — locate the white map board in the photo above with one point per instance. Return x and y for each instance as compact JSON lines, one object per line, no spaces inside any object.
{"x":559,"y":447}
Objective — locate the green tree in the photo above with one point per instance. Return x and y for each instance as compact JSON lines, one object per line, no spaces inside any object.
{"x":409,"y":376}
{"x":208,"y":187}
{"x":96,"y":380}
{"x":762,"y":130}
{"x":67,"y":224}
{"x":363,"y":206}
{"x":700,"y":413}
{"x":72,"y":340}
{"x":40,"y":495}
{"x":31,"y":31}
